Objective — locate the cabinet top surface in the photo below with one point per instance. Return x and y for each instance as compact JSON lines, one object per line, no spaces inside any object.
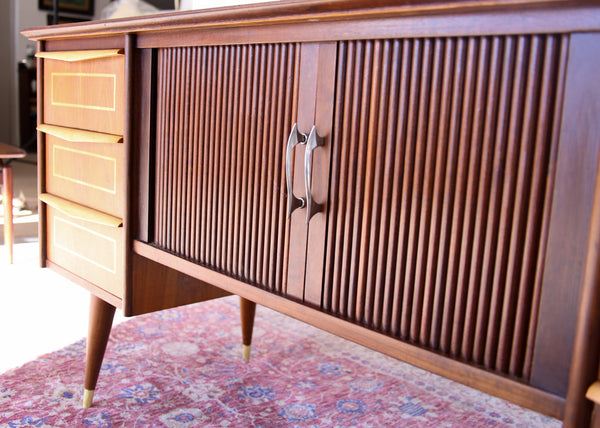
{"x":291,"y":12}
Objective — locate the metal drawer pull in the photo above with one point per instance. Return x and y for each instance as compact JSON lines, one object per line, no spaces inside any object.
{"x":79,"y":211}
{"x":314,"y":141}
{"x":79,"y":135}
{"x":294,"y":139}
{"x":74,"y":56}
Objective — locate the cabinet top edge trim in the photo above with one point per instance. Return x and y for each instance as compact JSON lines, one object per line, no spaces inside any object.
{"x":297,"y":11}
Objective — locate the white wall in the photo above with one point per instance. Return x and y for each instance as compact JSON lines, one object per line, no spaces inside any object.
{"x":28,"y":15}
{"x":205,"y":4}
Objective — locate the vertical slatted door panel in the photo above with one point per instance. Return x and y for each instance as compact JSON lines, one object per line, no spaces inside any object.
{"x":220,"y":156}
{"x":440,"y":169}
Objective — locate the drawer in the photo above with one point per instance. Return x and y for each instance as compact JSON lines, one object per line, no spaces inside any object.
{"x":89,"y":173}
{"x":90,"y":249}
{"x":85,"y":90}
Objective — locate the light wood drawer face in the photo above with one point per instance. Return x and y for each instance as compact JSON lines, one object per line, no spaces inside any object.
{"x":90,"y":174}
{"x":91,"y":251}
{"x":85,"y":94}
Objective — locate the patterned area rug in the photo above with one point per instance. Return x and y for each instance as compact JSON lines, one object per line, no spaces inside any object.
{"x":183,"y":368}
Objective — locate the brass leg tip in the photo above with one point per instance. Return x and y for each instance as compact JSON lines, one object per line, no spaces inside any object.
{"x":88,"y":396}
{"x":246,"y":351}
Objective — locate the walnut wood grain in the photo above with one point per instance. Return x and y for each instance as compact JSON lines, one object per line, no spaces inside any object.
{"x":586,"y":349}
{"x":100,"y":323}
{"x":131,"y":106}
{"x":247,"y":312}
{"x":317,"y":226}
{"x":165,"y":288}
{"x":516,"y":15}
{"x":569,"y":228}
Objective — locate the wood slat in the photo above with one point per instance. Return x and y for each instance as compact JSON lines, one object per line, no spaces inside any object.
{"x":437,"y":160}
{"x":398,"y":132}
{"x":472,"y":210}
{"x":388,"y":89}
{"x":560,"y":57}
{"x":513,"y":128}
{"x":523,"y":194}
{"x":428,"y":108}
{"x":482,"y":218}
{"x":459,"y":240}
{"x":456,"y":69}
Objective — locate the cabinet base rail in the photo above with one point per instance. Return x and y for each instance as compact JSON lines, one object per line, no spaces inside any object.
{"x":491,"y":383}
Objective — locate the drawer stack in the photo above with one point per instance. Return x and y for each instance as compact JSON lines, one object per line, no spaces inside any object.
{"x":83,"y":122}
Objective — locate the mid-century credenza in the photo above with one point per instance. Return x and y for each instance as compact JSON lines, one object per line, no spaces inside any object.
{"x":421,"y":177}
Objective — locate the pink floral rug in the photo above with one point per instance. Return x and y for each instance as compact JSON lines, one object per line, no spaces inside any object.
{"x":183,"y":368}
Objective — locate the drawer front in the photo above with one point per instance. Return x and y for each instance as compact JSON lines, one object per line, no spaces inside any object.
{"x":85,"y":94}
{"x":92,"y":251}
{"x":90,"y":174}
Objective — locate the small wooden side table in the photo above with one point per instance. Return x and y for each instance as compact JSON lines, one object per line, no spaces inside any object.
{"x":6,"y":179}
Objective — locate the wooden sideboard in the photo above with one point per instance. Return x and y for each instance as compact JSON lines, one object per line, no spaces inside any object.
{"x":419,"y":177}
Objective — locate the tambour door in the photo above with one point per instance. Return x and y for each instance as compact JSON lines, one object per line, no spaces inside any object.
{"x":438,"y":201}
{"x":225,"y":118}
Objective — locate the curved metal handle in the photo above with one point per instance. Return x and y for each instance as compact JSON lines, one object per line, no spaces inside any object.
{"x":294,"y":139}
{"x":314,"y":141}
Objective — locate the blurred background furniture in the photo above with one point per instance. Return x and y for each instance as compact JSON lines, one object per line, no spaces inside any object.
{"x":8,"y":152}
{"x":27,"y":106}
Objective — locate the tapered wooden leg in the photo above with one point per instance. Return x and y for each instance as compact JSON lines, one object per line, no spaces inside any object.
{"x":7,"y":197}
{"x":247,"y":311}
{"x":595,"y":423}
{"x":101,"y":318}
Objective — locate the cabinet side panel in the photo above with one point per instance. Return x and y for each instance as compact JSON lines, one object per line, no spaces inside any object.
{"x":41,"y":150}
{"x":441,"y":158}
{"x":571,"y":213}
{"x":160,"y":287}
